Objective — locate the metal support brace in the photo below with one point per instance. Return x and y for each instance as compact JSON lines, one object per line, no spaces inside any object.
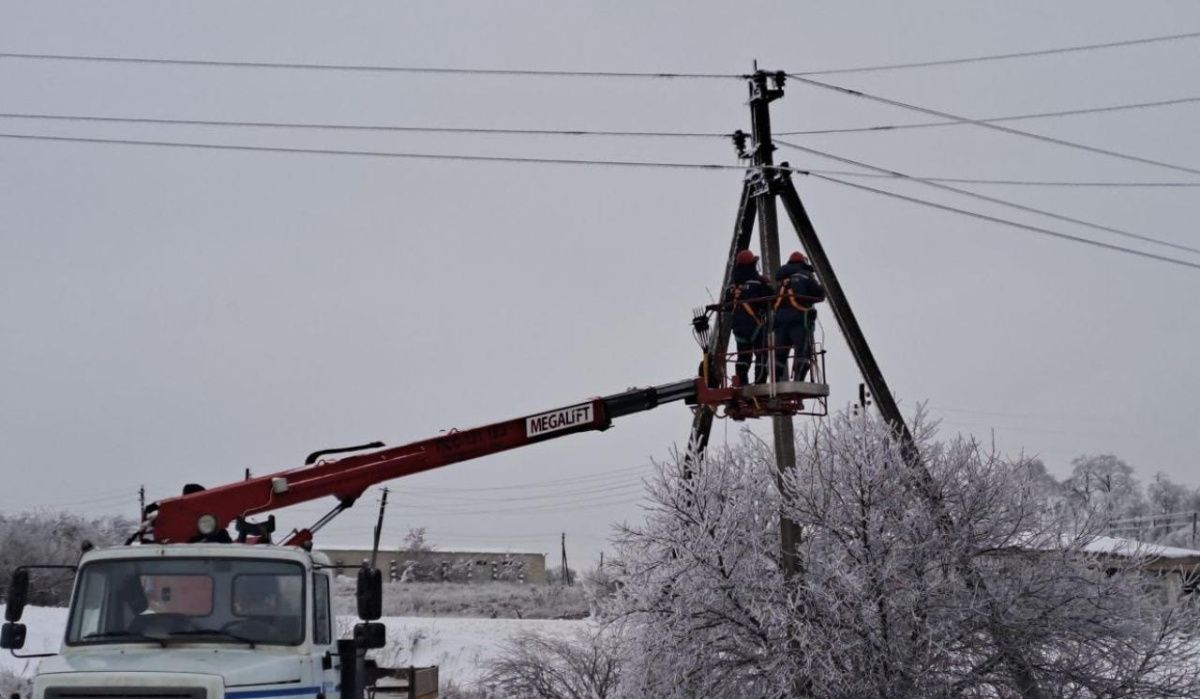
{"x":715,"y":353}
{"x":840,"y":305}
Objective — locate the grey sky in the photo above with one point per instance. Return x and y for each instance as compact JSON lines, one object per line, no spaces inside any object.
{"x":172,"y":315}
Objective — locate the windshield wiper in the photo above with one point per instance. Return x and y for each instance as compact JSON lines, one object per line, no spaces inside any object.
{"x":125,"y":634}
{"x":215,"y":632}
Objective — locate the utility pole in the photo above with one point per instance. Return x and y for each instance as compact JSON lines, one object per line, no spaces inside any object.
{"x":764,"y":181}
{"x":763,"y":159}
{"x":378,"y":527}
{"x":565,"y":572}
{"x":141,"y":502}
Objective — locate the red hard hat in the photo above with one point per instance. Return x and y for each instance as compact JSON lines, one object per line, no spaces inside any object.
{"x":746,"y":257}
{"x":797,"y":257}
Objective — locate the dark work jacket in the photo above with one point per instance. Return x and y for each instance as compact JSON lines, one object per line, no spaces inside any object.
{"x":797,"y":286}
{"x":752,"y":293}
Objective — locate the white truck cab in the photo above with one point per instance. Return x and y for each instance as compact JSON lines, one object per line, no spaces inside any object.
{"x":208,"y":621}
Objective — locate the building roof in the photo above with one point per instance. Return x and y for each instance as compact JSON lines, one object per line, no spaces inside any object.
{"x":1117,"y":547}
{"x":1131,"y":547}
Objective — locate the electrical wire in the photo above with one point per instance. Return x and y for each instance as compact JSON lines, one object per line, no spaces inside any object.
{"x":111,"y":498}
{"x":564,"y":161}
{"x":1011,"y":117}
{"x":993,"y":200}
{"x":375,"y":68}
{"x":581,"y":73}
{"x":996,"y":127}
{"x":419,"y":503}
{"x":1013,"y":224}
{"x":467,"y":504}
{"x":364,"y":127}
{"x":568,"y":161}
{"x":546,"y":509}
{"x":551,"y":487}
{"x":450,"y":499}
{"x":376,"y":154}
{"x":1004,"y":56}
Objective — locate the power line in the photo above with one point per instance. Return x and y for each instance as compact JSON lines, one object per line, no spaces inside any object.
{"x":375,"y":68}
{"x":993,"y":200}
{"x":564,"y":161}
{"x":1004,"y":56}
{"x":450,"y":499}
{"x":1013,"y":224}
{"x":365,"y":127}
{"x":1012,"y":117}
{"x":575,"y":73}
{"x":997,"y":127}
{"x":467,"y":505}
{"x":1110,"y":184}
{"x":613,"y":475}
{"x":426,"y":512}
{"x":376,"y":154}
{"x":569,"y":161}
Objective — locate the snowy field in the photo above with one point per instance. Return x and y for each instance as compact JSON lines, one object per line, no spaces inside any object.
{"x":459,"y":646}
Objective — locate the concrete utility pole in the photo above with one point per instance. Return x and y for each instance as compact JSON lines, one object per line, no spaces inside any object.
{"x":378,"y":528}
{"x":762,"y":158}
{"x":566,"y":571}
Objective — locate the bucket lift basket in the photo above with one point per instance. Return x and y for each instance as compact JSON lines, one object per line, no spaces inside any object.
{"x":772,"y":396}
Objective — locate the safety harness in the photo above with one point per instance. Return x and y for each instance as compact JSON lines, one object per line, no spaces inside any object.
{"x":786,"y":294}
{"x":745,"y":305}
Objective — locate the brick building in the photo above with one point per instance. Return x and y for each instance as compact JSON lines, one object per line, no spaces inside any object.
{"x":475,"y":566}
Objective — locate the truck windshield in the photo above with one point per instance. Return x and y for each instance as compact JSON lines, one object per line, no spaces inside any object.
{"x":222,"y":600}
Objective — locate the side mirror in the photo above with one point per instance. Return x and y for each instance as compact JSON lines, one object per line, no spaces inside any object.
{"x":369,"y":594}
{"x":12,"y":636}
{"x":18,"y":595}
{"x":370,"y":635}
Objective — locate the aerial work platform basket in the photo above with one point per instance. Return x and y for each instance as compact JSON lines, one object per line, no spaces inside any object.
{"x":773,"y":395}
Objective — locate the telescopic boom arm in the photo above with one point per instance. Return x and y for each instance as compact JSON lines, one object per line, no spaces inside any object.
{"x":199,"y":515}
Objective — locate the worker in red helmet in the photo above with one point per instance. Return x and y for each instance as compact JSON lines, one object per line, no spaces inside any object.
{"x":795,"y":317}
{"x":748,"y":299}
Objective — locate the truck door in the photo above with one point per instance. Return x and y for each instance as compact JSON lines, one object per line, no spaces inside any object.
{"x":327,"y":667}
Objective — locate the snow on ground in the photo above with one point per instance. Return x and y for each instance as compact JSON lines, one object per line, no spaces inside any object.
{"x":461,"y":647}
{"x":46,"y":626}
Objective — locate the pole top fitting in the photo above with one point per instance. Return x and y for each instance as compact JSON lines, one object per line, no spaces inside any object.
{"x":766,"y":85}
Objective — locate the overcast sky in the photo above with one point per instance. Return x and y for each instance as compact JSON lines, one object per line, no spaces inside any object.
{"x":172,"y":315}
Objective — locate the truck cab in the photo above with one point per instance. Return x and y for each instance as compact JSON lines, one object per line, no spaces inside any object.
{"x":205,"y":621}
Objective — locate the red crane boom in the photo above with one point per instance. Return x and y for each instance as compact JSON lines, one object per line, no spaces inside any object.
{"x":204,"y":515}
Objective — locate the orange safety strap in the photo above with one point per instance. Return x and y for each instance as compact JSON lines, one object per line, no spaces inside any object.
{"x":737,"y":294}
{"x":785,"y":292}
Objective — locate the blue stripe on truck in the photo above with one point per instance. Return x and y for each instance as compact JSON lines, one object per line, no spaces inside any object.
{"x":263,"y":693}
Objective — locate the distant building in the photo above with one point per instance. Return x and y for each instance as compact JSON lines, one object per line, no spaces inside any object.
{"x":1173,"y":571}
{"x":453,"y":566}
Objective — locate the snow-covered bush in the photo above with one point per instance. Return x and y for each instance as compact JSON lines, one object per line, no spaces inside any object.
{"x":953,"y":577}
{"x":52,"y":538}
{"x":541,"y":667}
{"x":11,"y":682}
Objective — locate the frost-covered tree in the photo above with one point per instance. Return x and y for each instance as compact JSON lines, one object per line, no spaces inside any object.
{"x":954,"y":578}
{"x":416,"y":540}
{"x":53,"y":538}
{"x":1165,"y":495}
{"x":1108,"y":484}
{"x":415,"y":565}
